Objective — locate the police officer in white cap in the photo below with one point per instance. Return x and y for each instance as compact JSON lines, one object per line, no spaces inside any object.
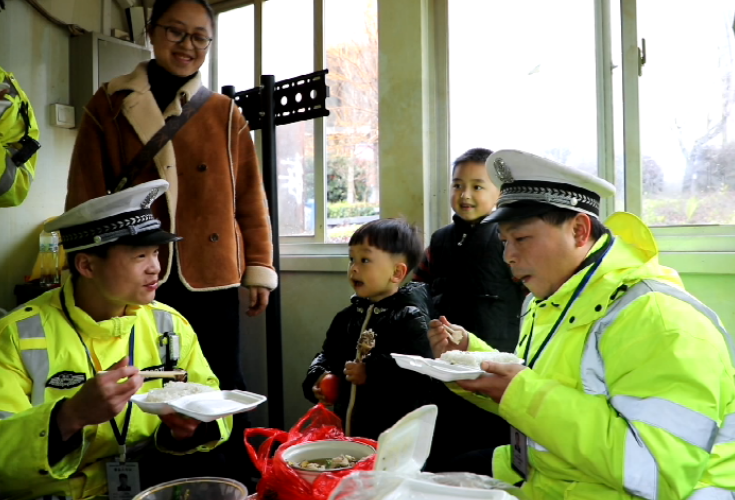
{"x":70,"y":360}
{"x":627,"y":386}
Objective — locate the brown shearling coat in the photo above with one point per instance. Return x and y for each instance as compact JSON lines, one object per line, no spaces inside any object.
{"x":216,"y":191}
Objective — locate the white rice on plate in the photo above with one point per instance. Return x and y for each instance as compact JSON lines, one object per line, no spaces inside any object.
{"x":176,"y":390}
{"x":475,"y":359}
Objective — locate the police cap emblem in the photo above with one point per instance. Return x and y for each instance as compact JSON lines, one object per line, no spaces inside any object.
{"x":503,"y":171}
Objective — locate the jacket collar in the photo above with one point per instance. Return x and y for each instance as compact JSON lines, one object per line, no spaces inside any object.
{"x":466,"y":226}
{"x":138,"y":83}
{"x":411,"y":293}
{"x":88,"y":327}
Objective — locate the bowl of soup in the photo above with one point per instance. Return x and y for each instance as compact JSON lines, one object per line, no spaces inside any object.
{"x":313,"y":458}
{"x":196,"y":488}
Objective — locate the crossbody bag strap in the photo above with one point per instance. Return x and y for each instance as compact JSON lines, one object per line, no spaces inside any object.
{"x":159,"y":140}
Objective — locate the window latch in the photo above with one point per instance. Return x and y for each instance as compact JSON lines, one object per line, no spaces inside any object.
{"x":641,"y":56}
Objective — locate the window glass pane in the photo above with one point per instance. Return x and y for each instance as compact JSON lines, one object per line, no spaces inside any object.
{"x":351,"y":42}
{"x":288,"y":51}
{"x":522,"y":76}
{"x":235,"y":51}
{"x":687,"y":110}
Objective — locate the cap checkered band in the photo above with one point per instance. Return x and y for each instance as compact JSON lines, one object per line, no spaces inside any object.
{"x":552,"y":193}
{"x":109,"y":229}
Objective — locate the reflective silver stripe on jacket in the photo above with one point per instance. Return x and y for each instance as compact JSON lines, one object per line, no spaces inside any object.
{"x":7,"y":179}
{"x":727,"y":430}
{"x":688,"y":425}
{"x":525,"y":309}
{"x":641,"y":469}
{"x":533,"y":444}
{"x":712,"y":494}
{"x":164,"y":324}
{"x":35,"y":360}
{"x":6,"y":414}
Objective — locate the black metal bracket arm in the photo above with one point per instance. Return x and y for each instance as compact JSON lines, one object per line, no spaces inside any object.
{"x":278,"y":103}
{"x":296,"y":99}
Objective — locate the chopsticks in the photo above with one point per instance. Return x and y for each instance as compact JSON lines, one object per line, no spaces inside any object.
{"x":174,"y":374}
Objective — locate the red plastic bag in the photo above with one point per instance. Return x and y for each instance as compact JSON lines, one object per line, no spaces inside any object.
{"x":279,"y":481}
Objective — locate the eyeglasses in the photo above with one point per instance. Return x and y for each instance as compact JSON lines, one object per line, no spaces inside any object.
{"x":178,"y":36}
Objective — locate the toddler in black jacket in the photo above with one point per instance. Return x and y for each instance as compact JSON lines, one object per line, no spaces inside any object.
{"x":382,"y":254}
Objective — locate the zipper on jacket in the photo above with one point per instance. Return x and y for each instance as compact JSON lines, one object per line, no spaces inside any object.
{"x":462,"y":240}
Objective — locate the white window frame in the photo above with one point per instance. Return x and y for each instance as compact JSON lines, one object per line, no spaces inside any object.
{"x":697,"y":249}
{"x":701,"y":249}
{"x":311,"y":253}
{"x":295,"y":249}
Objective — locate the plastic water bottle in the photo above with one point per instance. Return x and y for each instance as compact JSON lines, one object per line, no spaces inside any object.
{"x":49,"y":251}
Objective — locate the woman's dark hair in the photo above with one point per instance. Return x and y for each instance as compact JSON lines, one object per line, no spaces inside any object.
{"x":71,"y":257}
{"x":394,"y":236}
{"x":559,"y":216}
{"x":162,"y":6}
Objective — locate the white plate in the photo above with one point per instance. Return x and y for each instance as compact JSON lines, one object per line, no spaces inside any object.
{"x":437,"y":368}
{"x":154,"y":408}
{"x":205,"y":406}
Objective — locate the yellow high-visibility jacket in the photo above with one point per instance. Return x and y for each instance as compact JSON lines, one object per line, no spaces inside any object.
{"x":42,"y":361}
{"x":634,"y":396}
{"x":15,"y":180}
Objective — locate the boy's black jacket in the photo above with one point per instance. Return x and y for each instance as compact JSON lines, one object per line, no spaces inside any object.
{"x":471,"y":284}
{"x":400,"y":323}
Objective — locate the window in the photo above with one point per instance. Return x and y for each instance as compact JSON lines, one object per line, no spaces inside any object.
{"x":524,"y":81}
{"x":234,"y":47}
{"x":327,"y":168}
{"x":564,"y":83}
{"x":687,"y":112}
{"x":351,"y":40}
{"x":288,"y":52}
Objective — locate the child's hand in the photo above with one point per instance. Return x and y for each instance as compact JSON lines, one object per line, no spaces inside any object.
{"x":318,"y":392}
{"x":356,"y":372}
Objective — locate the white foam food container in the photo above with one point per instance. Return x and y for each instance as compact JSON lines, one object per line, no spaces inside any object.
{"x":438,"y":369}
{"x":402,"y":451}
{"x":205,"y":406}
{"x":416,"y":489}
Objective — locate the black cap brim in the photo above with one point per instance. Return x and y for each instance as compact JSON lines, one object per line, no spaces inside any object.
{"x":148,"y":239}
{"x":519,"y":211}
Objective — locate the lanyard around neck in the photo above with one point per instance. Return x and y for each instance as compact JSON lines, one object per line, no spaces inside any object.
{"x":577,"y":291}
{"x":121,"y":437}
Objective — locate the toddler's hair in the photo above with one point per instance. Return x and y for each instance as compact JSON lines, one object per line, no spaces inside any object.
{"x":395,"y":236}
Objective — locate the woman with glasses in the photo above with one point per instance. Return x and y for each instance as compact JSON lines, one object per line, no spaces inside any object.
{"x":216,"y":200}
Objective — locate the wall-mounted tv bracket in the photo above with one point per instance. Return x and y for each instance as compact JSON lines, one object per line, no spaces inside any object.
{"x":265,"y":107}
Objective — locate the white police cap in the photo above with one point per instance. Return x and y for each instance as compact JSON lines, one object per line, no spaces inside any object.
{"x":530,"y":186}
{"x":124,"y":217}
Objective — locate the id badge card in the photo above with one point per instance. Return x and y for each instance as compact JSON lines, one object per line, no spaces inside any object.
{"x":519,"y":443}
{"x":123,"y":480}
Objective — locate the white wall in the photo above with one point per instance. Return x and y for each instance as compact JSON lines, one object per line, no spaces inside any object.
{"x":310,"y":302}
{"x":37,"y":52}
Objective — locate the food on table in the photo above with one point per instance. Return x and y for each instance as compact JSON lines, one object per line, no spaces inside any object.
{"x":340,"y":462}
{"x":455,"y":335}
{"x":475,"y":359}
{"x":176,"y":390}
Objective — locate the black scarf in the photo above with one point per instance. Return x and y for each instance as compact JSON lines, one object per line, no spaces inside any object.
{"x":164,"y":85}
